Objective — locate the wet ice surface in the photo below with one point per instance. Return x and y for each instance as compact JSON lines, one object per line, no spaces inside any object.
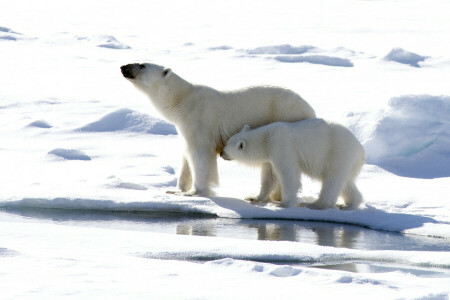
{"x":316,"y":233}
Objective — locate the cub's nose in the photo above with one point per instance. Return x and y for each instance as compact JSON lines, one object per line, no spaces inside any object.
{"x":224,"y":155}
{"x":128,"y":71}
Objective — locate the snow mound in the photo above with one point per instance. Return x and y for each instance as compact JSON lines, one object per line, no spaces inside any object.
{"x":316,"y":59}
{"x":8,"y":35}
{"x":7,"y":252}
{"x":108,"y":41}
{"x":405,"y":57}
{"x":281,"y":49}
{"x":40,"y":124}
{"x":411,"y":137}
{"x":104,"y":41}
{"x":220,"y":48}
{"x":70,"y":154}
{"x":132,"y":121}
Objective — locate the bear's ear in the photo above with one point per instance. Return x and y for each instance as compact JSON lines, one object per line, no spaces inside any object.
{"x":166,"y":72}
{"x":245,"y":128}
{"x":241,"y":145}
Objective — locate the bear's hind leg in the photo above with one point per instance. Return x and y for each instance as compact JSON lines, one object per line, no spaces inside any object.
{"x":185,"y":180}
{"x":275,"y":195}
{"x":331,"y":188}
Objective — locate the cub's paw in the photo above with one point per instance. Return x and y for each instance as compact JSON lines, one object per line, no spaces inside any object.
{"x":255,"y":199}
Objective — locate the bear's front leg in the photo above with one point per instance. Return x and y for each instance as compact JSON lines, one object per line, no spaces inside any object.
{"x":204,"y":166}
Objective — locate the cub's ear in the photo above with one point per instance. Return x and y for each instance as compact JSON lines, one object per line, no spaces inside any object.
{"x":166,"y":72}
{"x":241,"y":145}
{"x":245,"y":128}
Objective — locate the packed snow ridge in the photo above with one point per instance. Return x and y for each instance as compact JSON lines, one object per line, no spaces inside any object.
{"x":131,"y":121}
{"x":411,"y":137}
{"x":405,"y":57}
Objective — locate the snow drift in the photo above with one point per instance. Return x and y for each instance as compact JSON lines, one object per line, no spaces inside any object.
{"x":8,"y":34}
{"x":70,"y":154}
{"x":411,"y":137}
{"x":132,"y":121}
{"x":405,"y":57}
{"x":316,"y":59}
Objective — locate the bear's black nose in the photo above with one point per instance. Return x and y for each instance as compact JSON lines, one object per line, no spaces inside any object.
{"x":128,"y":71}
{"x":224,"y":155}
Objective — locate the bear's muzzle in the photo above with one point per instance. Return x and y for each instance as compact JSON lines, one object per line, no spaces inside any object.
{"x":224,"y":155}
{"x":129,"y":71}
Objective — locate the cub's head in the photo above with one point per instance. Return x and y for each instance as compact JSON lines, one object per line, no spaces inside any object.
{"x":247,"y":146}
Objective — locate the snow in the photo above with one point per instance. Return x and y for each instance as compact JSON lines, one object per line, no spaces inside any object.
{"x":281,"y":49}
{"x":317,"y":59}
{"x":70,"y":154}
{"x":411,"y":136}
{"x":405,"y":57}
{"x":79,"y":140}
{"x":40,"y":124}
{"x":127,"y":120}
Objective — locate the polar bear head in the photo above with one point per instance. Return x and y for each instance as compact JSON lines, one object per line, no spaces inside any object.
{"x":248,"y":146}
{"x":164,"y":88}
{"x":147,"y":77}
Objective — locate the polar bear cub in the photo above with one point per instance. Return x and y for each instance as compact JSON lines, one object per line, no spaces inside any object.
{"x":320,"y":149}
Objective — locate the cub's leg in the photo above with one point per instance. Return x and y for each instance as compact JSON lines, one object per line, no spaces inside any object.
{"x":332,"y":186}
{"x":289,"y":178}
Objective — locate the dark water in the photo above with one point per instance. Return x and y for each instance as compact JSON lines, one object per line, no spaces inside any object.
{"x":318,"y":233}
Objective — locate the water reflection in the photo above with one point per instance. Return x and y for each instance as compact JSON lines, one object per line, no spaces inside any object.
{"x":318,"y":233}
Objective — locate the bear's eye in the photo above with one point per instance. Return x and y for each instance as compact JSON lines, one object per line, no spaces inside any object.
{"x":241,"y":145}
{"x":141,"y":66}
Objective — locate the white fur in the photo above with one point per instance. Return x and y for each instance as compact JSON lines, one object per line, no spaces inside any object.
{"x":322,"y":150}
{"x":206,"y":117}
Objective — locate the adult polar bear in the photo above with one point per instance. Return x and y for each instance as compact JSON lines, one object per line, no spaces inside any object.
{"x":207,"y":118}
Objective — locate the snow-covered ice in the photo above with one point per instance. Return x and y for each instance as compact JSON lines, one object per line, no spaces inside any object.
{"x":76,"y":139}
{"x":405,"y":57}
